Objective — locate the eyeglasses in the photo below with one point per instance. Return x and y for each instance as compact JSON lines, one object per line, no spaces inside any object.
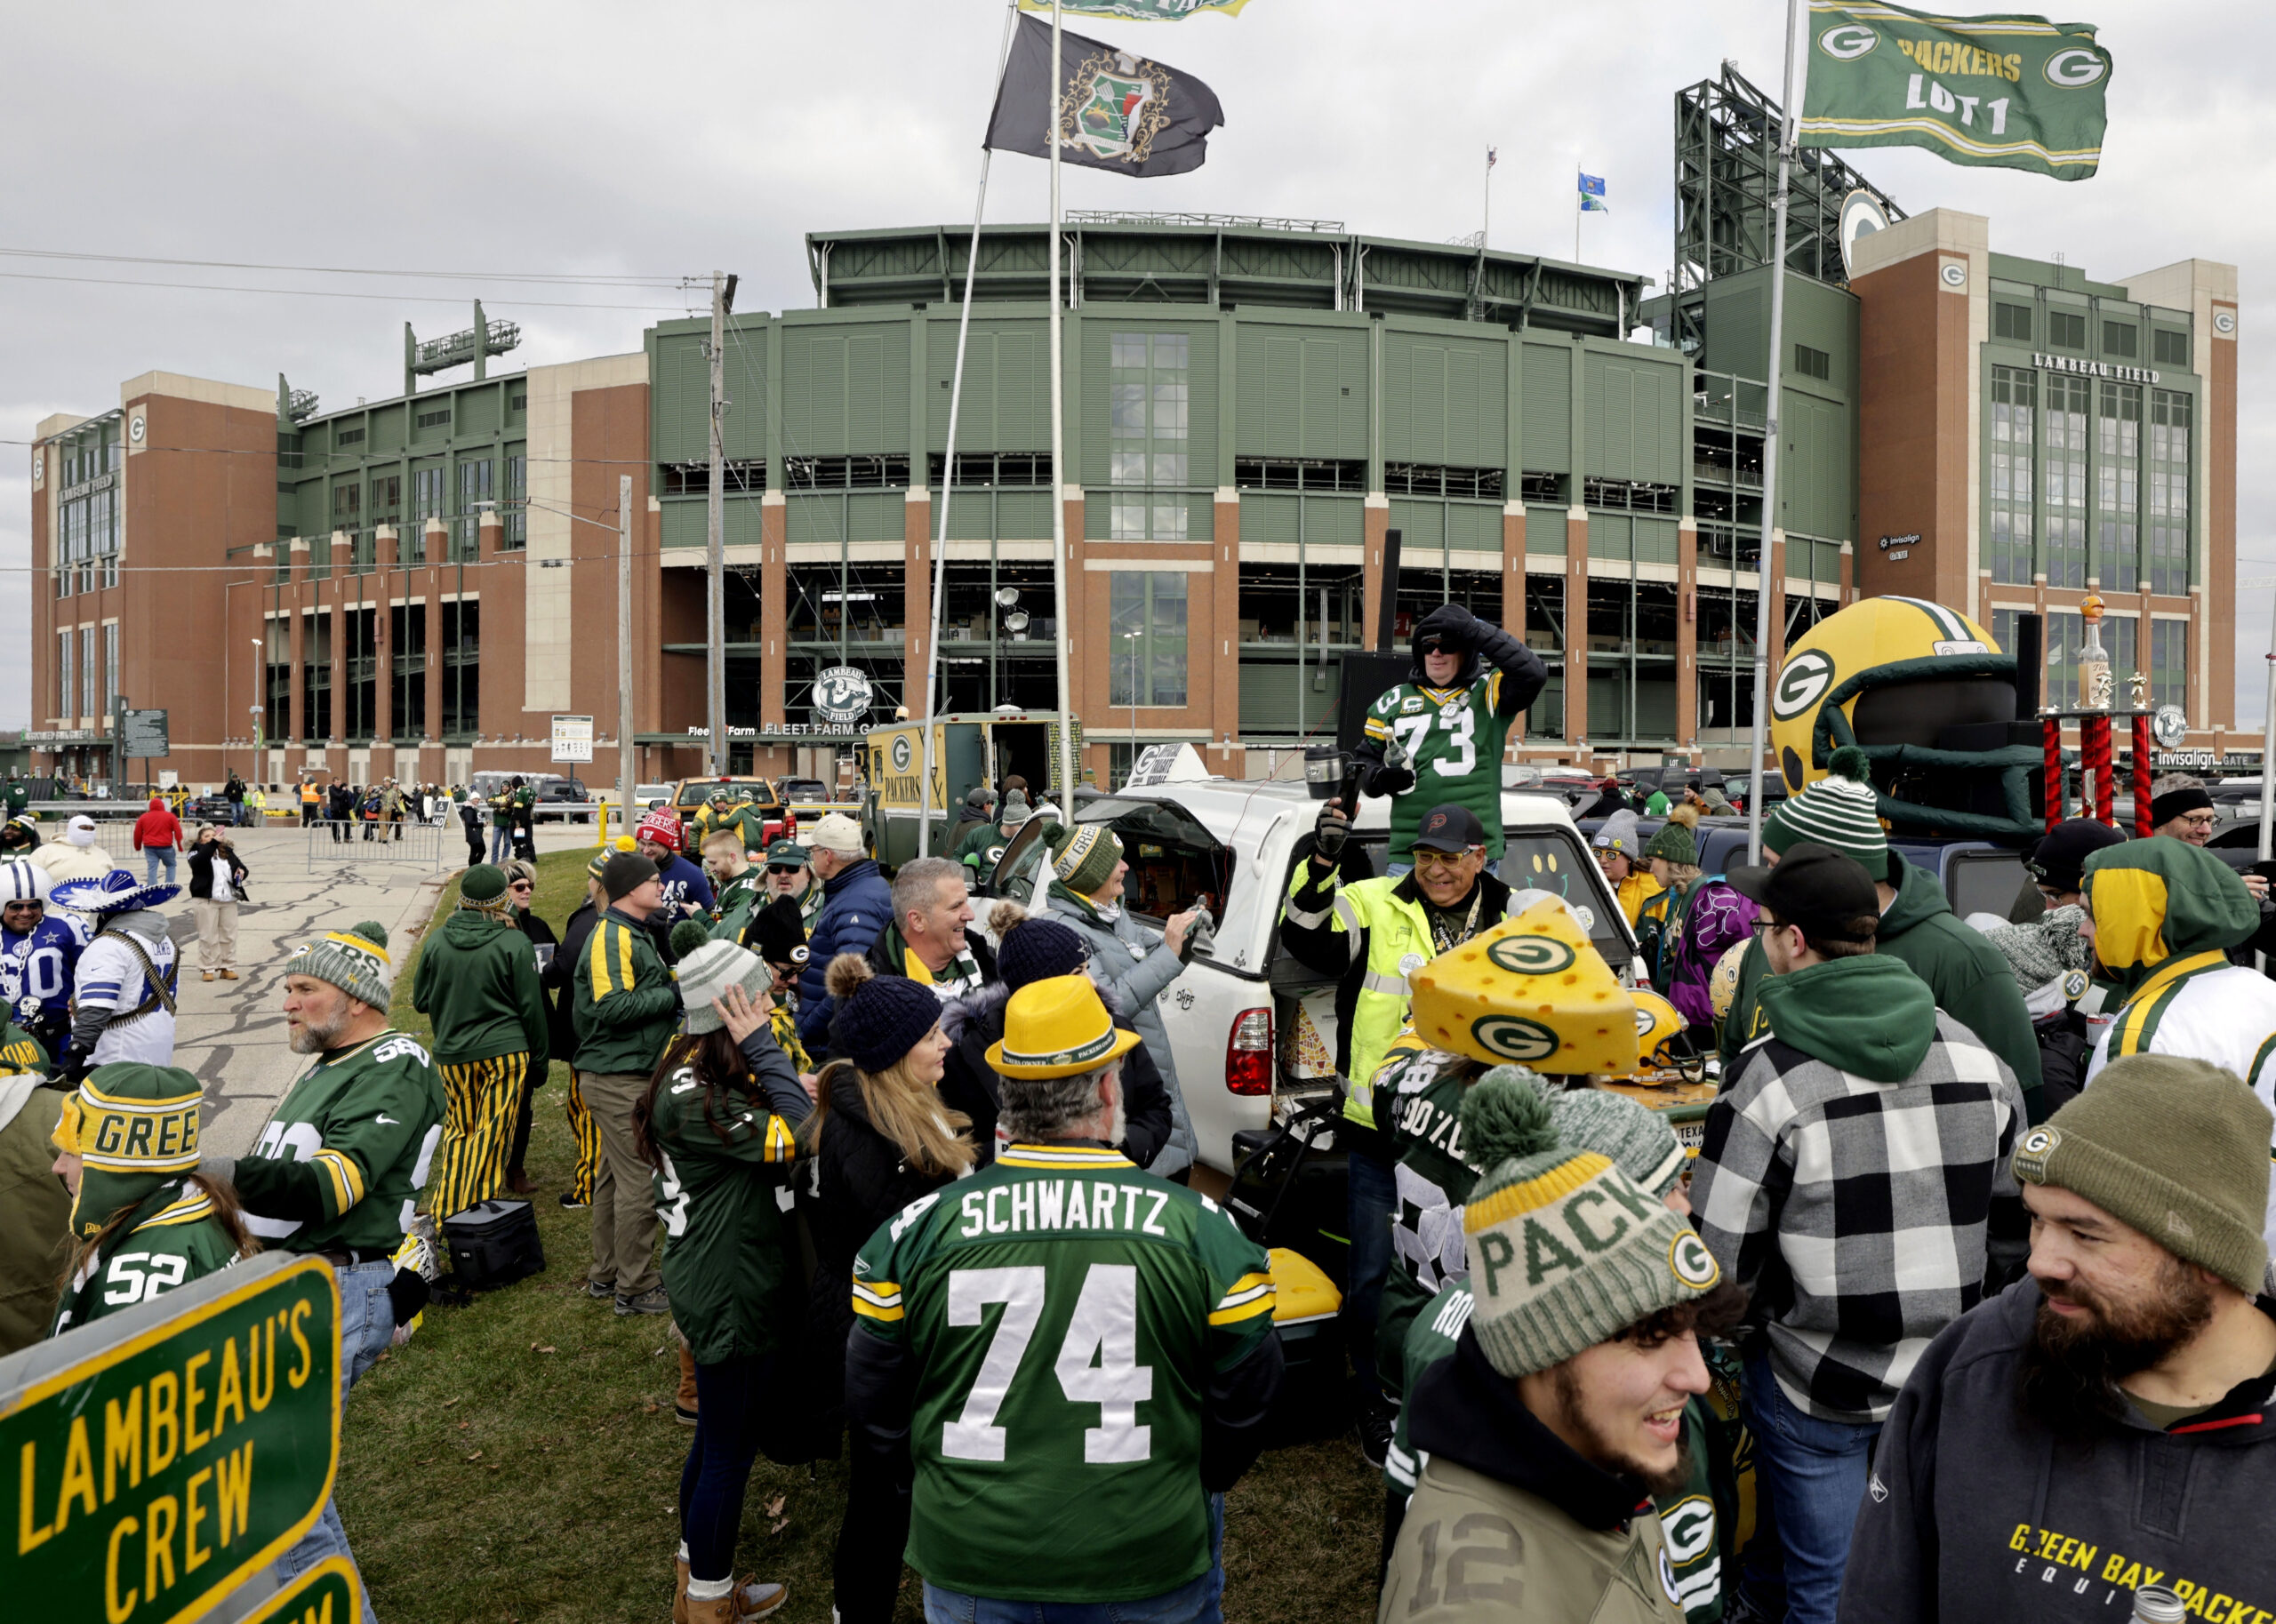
{"x":521,"y":886}
{"x":1443,"y":860}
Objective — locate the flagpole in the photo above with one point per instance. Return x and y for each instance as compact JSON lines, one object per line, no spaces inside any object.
{"x":1486,"y":220}
{"x":1058,"y":445}
{"x":1770,"y":436}
{"x":949,"y":466}
{"x":1580,"y":207}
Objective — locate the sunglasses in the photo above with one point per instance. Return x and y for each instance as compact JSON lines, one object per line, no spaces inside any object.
{"x":521,"y":886}
{"x":1443,"y":860}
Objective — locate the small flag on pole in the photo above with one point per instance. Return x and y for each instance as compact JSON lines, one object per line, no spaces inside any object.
{"x":1139,"y":11}
{"x":1592,"y":199}
{"x":1491,"y":154}
{"x":1117,"y":111}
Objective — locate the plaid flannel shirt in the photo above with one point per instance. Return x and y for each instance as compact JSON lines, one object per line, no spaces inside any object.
{"x":1855,"y":1211}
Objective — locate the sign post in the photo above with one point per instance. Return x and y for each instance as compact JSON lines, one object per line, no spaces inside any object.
{"x":159,"y":1458}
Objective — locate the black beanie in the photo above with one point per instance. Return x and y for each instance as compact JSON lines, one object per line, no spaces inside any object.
{"x":2166,"y":807}
{"x":624,"y":873}
{"x":2059,"y":859}
{"x":779,"y":932}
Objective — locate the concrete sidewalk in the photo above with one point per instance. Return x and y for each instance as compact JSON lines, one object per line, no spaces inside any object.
{"x":232,"y":1034}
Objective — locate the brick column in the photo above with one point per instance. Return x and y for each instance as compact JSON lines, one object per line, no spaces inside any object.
{"x":1374,"y":521}
{"x":1224,"y":632}
{"x":917,"y":593}
{"x":1576,"y":626}
{"x":342,"y":560}
{"x":295,"y":720}
{"x":1983,"y":601}
{"x":1687,"y":633}
{"x":2200,"y":712}
{"x":1848,"y":573}
{"x":1514,"y":592}
{"x":385,"y":549}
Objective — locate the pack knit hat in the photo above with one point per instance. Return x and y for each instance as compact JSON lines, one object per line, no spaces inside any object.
{"x":1565,"y":1249}
{"x":483,"y":891}
{"x":1637,"y":1138}
{"x":354,"y":960}
{"x":1036,"y":949}
{"x":1084,"y":858}
{"x":624,"y":873}
{"x":779,"y":931}
{"x":661,"y":826}
{"x":1675,"y":841}
{"x":132,"y":1126}
{"x":1839,"y":811}
{"x":707,"y":970}
{"x":879,"y":1018}
{"x":2177,"y":1149}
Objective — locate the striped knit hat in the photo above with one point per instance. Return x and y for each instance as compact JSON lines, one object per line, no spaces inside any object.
{"x":483,"y":891}
{"x":1840,"y":811}
{"x":1082,"y":858}
{"x":354,"y":960}
{"x":1565,"y":1249}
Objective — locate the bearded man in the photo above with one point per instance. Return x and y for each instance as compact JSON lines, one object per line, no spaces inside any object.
{"x":2105,"y":1427}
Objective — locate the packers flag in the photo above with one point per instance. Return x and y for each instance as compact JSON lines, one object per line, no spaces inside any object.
{"x":1139,"y":11}
{"x":1117,"y":111}
{"x":2003,"y":92}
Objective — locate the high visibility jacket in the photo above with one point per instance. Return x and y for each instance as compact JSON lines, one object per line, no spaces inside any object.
{"x":1386,"y":938}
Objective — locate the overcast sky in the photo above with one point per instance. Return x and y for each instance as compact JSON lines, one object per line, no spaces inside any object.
{"x":667,"y":140}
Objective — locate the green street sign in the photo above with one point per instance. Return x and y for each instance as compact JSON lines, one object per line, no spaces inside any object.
{"x":326,"y":1594}
{"x":150,"y":1461}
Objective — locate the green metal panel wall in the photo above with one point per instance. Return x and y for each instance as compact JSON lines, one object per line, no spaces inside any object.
{"x":1815,"y":472}
{"x":1446,"y":399}
{"x":845,"y":388}
{"x":858,"y":517}
{"x":1325,"y":520}
{"x":388,"y":429}
{"x":1006,"y":404}
{"x":1458,"y":526}
{"x":479,"y":410}
{"x":1545,"y":529}
{"x":686,"y":522}
{"x":1548,"y":426}
{"x":1634,"y":420}
{"x":1304,"y":392}
{"x":1272,"y":690}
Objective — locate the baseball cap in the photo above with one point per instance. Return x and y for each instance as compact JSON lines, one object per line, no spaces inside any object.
{"x":786,"y":854}
{"x":1815,"y":887}
{"x":1449,"y":828}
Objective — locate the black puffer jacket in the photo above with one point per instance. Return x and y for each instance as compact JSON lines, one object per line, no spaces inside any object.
{"x":974,"y":1022}
{"x":857,"y":1179}
{"x":560,"y":981}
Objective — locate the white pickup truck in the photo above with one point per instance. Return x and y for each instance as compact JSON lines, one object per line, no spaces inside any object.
{"x":1253,"y":1030}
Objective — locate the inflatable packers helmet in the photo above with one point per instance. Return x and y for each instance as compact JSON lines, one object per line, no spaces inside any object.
{"x":1884,"y":671}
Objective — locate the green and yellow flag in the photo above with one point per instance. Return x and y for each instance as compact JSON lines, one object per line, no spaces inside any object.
{"x":2003,"y":92}
{"x":1139,"y":11}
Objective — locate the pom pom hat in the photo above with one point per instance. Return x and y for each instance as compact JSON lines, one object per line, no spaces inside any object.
{"x":354,"y":960}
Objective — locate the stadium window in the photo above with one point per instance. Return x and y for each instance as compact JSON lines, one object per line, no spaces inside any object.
{"x":2067,"y":329}
{"x":1431,"y":479}
{"x":1812,"y":362}
{"x":2011,"y":321}
{"x":2171,"y":348}
{"x":1547,"y":488}
{"x":1301,"y":474}
{"x":2118,"y":339}
{"x":1150,"y":604}
{"x":435,"y":420}
{"x":865,"y":471}
{"x":347,"y":435}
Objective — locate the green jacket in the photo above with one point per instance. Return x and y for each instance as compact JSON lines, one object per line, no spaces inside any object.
{"x":734,"y":904}
{"x":624,"y":1004}
{"x":477,"y":983}
{"x":35,"y":1211}
{"x":1967,"y":975}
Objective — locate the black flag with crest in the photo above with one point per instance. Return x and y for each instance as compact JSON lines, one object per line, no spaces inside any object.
{"x":1117,"y":111}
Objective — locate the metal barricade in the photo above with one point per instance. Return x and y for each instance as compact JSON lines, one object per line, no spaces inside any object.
{"x":338,"y":842}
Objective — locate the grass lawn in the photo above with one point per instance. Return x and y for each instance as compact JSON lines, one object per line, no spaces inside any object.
{"x":519,"y":1460}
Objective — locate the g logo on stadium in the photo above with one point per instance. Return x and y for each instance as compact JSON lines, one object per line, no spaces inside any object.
{"x":1804,"y":677}
{"x":1530,"y":955}
{"x":1690,"y":1261}
{"x":1514,"y":1037}
{"x":1846,"y":41}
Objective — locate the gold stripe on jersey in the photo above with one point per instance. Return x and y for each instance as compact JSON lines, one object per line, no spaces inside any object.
{"x":347,"y":1179}
{"x":191,"y":1208}
{"x":624,"y":957}
{"x":1250,"y":1296}
{"x":1063,"y":1155}
{"x":880,"y":1300}
{"x":782,"y":1145}
{"x":599,"y":962}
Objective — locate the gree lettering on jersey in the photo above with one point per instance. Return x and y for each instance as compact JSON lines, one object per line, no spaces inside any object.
{"x":1036,"y":1204}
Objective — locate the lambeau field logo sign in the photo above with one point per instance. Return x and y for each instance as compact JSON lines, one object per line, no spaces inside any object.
{"x":154,"y":1460}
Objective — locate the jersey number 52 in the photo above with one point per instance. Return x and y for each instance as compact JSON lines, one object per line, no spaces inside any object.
{"x":1097,"y":1363}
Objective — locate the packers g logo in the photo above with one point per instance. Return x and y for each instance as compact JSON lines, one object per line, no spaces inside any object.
{"x":1513,"y":1037}
{"x":1690,"y":1261}
{"x":900,"y":753}
{"x":2030,"y":1162}
{"x":1801,"y":683}
{"x":2075,"y":68}
{"x":1530,"y":955}
{"x":1847,"y":42}
{"x":1688,"y":1527}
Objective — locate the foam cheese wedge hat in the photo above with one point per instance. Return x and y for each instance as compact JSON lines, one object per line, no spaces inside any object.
{"x":1532,"y":990}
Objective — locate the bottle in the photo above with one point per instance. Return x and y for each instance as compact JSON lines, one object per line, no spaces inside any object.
{"x":2156,"y":1604}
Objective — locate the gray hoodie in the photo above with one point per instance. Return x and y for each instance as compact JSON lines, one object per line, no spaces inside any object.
{"x":1138,"y":965}
{"x":1975,"y":1511}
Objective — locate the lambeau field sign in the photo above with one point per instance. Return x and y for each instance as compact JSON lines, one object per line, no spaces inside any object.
{"x":153,"y":1461}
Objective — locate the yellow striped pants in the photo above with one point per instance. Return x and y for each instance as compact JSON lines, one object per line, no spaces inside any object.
{"x":586,"y":1128}
{"x":479,"y":1100}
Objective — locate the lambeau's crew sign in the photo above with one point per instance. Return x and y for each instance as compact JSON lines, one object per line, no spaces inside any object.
{"x":156,"y":1459}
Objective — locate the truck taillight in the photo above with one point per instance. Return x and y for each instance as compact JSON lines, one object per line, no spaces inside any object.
{"x":1248,"y":1053}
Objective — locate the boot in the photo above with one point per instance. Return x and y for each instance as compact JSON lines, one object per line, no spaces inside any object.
{"x":684,"y":1404}
{"x":754,"y":1600}
{"x":679,"y":1592}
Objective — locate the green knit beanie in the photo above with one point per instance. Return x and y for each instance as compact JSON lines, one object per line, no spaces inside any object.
{"x":1675,"y":841}
{"x":1840,"y":811}
{"x":354,"y":960}
{"x":1565,"y":1250}
{"x":2176,"y":1148}
{"x":1084,"y":857}
{"x":1637,"y":1138}
{"x":483,"y":891}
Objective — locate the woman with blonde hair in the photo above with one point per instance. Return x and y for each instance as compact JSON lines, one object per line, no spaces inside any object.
{"x":879,"y":1137}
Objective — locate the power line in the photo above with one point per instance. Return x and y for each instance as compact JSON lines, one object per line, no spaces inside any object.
{"x":428,"y":299}
{"x":568,"y":278}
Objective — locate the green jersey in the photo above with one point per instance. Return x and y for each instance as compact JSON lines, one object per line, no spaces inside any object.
{"x":1698,"y":1521}
{"x":724,"y":1266}
{"x":341,"y":1160}
{"x":174,"y":1240}
{"x":1418,"y":1092}
{"x":1063,"y":1313}
{"x":736,"y":902}
{"x":1452,"y":737}
{"x":982,"y":849}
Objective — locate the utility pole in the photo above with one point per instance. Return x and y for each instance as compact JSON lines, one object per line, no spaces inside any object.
{"x":722,"y":289}
{"x":624,"y":652}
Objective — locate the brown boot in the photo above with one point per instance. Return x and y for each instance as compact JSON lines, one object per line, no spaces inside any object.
{"x":719,"y":1611}
{"x":679,"y":1593}
{"x":684,"y":1404}
{"x":754,"y":1600}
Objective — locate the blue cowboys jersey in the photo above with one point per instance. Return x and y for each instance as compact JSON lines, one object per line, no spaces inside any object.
{"x":36,"y":967}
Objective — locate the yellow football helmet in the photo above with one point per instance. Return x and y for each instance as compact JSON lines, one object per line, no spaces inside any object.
{"x":1657,"y":1026}
{"x":1893,"y":670}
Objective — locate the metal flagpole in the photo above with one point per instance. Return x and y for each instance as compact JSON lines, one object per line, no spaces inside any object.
{"x":623,"y":657}
{"x":1058,"y":447}
{"x":1770,"y":433}
{"x":715,"y":675}
{"x":949,"y":469}
{"x":2267,"y":725}
{"x":1486,"y":215}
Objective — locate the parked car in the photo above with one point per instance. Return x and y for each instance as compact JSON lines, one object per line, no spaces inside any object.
{"x":555,"y":796}
{"x":690,"y":794}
